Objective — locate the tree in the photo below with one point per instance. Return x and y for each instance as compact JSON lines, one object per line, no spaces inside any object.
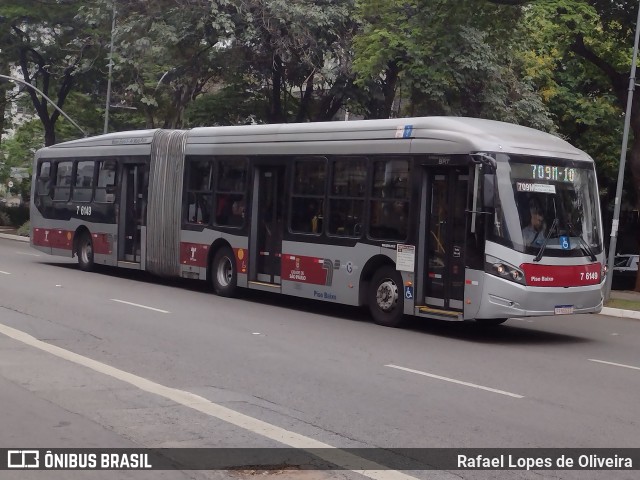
{"x":48,"y":43}
{"x":454,"y":57}
{"x":298,"y":55}
{"x":166,"y":53}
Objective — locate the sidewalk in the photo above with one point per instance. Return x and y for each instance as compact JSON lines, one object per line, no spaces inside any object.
{"x":626,"y":295}
{"x":9,"y":234}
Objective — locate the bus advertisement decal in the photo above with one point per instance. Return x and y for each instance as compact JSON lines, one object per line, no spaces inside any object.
{"x":297,"y":268}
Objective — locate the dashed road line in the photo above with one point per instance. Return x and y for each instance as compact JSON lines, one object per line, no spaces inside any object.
{"x":614,"y":364}
{"x":459,"y":382}
{"x":140,"y":306}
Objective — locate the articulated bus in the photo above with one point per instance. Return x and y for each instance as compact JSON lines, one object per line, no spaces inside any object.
{"x":438,"y":217}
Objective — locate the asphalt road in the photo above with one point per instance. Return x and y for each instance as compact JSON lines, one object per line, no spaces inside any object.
{"x":150,"y":362}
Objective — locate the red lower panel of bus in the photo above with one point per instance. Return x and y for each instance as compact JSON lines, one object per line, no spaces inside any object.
{"x":562,"y":276}
{"x":194,"y":254}
{"x":53,"y":238}
{"x":197,"y":255}
{"x":63,"y":240}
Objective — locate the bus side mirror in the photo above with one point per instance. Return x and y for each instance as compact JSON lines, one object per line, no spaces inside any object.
{"x":488,"y":190}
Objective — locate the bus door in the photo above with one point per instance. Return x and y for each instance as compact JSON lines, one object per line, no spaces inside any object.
{"x":132,"y":212}
{"x":269,"y":224}
{"x":445,"y":238}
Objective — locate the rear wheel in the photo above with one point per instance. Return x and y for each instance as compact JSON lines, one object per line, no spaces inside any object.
{"x":223,"y":273}
{"x":85,"y":252}
{"x":385,"y":299}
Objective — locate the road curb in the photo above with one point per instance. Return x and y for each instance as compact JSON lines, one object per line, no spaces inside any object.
{"x":619,"y":312}
{"x":14,"y":237}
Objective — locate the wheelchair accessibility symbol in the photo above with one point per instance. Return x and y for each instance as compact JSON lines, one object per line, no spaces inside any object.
{"x":408,"y":292}
{"x":564,"y":242}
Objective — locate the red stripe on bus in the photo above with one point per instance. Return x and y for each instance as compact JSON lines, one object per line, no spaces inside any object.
{"x":101,"y":243}
{"x":194,"y":254}
{"x":562,"y":276}
{"x":54,"y":238}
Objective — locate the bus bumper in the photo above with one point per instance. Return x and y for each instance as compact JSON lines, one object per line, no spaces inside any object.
{"x":505,"y":299}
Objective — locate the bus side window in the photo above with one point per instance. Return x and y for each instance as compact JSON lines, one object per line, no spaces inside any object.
{"x":43,"y":186}
{"x":106,"y":187}
{"x":62,"y":188}
{"x":199,"y":183}
{"x":346,"y":196}
{"x":83,"y":186}
{"x":231,"y":184}
{"x":390,"y":200}
{"x":307,"y":198}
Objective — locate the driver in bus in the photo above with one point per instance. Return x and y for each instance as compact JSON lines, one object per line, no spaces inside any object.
{"x":534,"y":233}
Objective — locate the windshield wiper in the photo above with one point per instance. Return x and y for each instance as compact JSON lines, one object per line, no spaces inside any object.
{"x":546,"y":240}
{"x":587,"y":249}
{"x":584,"y":246}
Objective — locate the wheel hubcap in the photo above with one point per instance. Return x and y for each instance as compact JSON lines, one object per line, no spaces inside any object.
{"x":225,"y":272}
{"x":387,"y":295}
{"x":86,"y":252}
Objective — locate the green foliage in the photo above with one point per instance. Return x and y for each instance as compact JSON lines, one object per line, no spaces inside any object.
{"x":456,"y":57}
{"x":49,"y":44}
{"x":5,"y":221}
{"x":14,"y":216}
{"x":25,"y":229}
{"x":18,"y":151}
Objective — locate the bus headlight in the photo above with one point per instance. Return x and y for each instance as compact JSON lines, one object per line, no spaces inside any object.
{"x":499,"y":268}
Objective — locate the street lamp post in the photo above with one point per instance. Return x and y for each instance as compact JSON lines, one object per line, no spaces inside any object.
{"x":108,"y":105}
{"x":53,"y":104}
{"x":623,"y":158}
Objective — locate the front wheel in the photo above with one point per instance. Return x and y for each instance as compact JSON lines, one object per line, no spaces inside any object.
{"x":223,"y":273}
{"x":385,"y":298}
{"x":85,"y":252}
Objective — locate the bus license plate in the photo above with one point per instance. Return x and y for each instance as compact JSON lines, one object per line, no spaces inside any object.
{"x":563,"y":309}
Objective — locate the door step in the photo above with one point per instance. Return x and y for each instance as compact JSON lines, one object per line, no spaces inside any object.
{"x":268,"y":287}
{"x":437,"y":313}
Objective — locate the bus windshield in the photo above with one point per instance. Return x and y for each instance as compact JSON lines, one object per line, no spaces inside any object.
{"x":546,"y":205}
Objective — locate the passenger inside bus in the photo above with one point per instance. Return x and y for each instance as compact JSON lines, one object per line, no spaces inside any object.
{"x":533,"y":234}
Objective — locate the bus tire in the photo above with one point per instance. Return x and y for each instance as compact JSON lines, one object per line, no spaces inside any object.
{"x":491,"y":322}
{"x":385,"y":297}
{"x":85,"y":252}
{"x":223,"y":273}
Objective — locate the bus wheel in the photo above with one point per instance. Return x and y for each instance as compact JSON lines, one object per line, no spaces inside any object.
{"x":491,"y":322}
{"x":223,"y":273}
{"x":85,"y":252}
{"x":386,"y":302}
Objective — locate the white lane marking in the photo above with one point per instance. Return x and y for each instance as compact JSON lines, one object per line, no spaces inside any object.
{"x":30,"y":254}
{"x":614,"y":364}
{"x":459,"y":382}
{"x":334,"y":455}
{"x":4,"y":273}
{"x":522,"y":320}
{"x":141,"y":306}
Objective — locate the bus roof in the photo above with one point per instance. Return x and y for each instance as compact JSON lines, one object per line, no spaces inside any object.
{"x":437,"y":135}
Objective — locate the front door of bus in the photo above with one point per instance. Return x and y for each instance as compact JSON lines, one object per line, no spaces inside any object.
{"x":132,"y":212}
{"x":446,"y":204}
{"x":270,"y":223}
